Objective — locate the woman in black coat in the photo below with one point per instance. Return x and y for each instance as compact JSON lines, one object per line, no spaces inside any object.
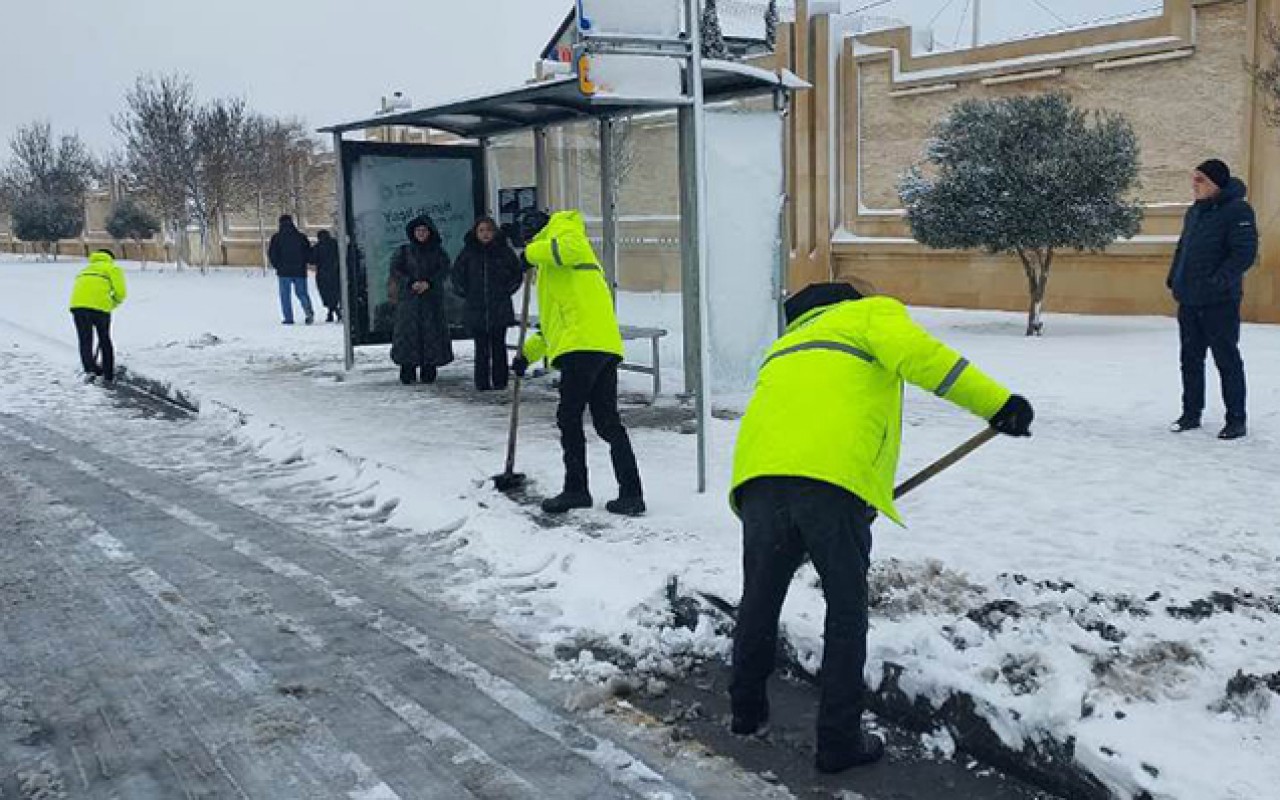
{"x":325,"y":256}
{"x":485,"y":275}
{"x":420,"y":339}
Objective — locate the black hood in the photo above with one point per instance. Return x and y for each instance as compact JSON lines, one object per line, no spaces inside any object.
{"x":1234,"y":190}
{"x":499,"y":238}
{"x":323,"y":236}
{"x":287,"y":225}
{"x":423,"y":219}
{"x":818,"y":295}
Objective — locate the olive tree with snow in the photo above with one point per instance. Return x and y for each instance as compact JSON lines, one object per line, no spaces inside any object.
{"x":1026,"y":176}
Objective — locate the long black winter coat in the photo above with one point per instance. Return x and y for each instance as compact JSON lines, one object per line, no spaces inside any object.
{"x":289,"y":251}
{"x":328,"y":279}
{"x":421,"y":334}
{"x":486,"y":276}
{"x":1219,"y":244}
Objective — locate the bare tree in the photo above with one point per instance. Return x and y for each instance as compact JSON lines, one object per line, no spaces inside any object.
{"x":158,"y":129}
{"x":1266,"y":74}
{"x":624,"y":153}
{"x":44,"y":184}
{"x":223,"y":178}
{"x":281,"y":163}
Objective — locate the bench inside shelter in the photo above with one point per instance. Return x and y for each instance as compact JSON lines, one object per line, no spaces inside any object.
{"x":631,"y":333}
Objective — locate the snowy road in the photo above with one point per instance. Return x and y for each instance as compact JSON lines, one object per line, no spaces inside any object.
{"x":160,"y":641}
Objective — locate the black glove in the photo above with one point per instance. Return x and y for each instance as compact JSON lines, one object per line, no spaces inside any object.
{"x":1014,"y":418}
{"x":520,"y":365}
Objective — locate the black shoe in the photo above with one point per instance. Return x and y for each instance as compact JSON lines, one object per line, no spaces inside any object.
{"x":1233,"y":430}
{"x":406,"y":375}
{"x":429,"y":374}
{"x":869,"y":750}
{"x":1184,"y":423}
{"x":626,"y":506}
{"x":566,"y":501}
{"x":310,"y":319}
{"x":751,"y":721}
{"x":287,"y":322}
{"x":329,"y":316}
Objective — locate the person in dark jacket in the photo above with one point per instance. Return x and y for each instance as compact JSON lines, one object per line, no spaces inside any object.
{"x":328,"y":280}
{"x":1219,"y":244}
{"x":289,"y":253}
{"x":420,"y":268}
{"x":486,"y":274}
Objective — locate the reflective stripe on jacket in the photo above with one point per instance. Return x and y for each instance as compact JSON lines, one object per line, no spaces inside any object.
{"x":575,"y":306}
{"x":828,"y":400}
{"x":99,"y":286}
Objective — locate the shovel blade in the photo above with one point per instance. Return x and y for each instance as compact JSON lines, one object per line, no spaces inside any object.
{"x":510,"y":481}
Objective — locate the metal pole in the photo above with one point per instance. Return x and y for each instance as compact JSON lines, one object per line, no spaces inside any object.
{"x":977,"y":23}
{"x":781,"y":104}
{"x":541,"y":168}
{"x":688,"y":256}
{"x":609,"y":205}
{"x":491,"y":179}
{"x":344,"y":269}
{"x":698,"y":193}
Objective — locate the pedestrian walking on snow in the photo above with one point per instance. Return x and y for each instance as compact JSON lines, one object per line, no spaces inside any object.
{"x":1219,"y":244}
{"x":815,"y":461}
{"x":486,"y":273}
{"x":289,"y":253}
{"x":99,"y":289}
{"x":420,"y":341}
{"x":328,"y":279}
{"x":579,"y":335}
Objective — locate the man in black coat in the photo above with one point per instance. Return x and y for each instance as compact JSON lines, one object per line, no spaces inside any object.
{"x":1219,"y":244}
{"x":289,"y":252}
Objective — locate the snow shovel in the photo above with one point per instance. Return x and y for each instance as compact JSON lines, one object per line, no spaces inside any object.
{"x":947,"y":461}
{"x":510,"y":480}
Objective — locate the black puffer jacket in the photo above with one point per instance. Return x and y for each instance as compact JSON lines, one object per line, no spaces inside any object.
{"x":485,"y":276}
{"x":1219,"y":244}
{"x":420,"y":336}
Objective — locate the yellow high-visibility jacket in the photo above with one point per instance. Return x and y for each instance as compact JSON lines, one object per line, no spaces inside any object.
{"x":575,"y":307}
{"x":828,"y":400}
{"x":99,"y":286}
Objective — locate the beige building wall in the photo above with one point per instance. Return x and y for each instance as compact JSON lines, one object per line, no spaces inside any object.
{"x":1180,"y":78}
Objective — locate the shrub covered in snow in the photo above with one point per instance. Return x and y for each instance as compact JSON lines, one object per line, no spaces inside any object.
{"x":1025,"y":175}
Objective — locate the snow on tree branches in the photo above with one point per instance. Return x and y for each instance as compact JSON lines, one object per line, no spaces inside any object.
{"x":713,"y":44}
{"x":1028,"y":176}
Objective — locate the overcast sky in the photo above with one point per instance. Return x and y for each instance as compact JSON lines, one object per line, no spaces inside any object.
{"x":71,"y":61}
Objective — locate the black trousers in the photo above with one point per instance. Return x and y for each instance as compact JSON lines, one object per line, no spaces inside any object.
{"x":88,"y":322}
{"x":492,"y":367}
{"x":1214,"y":328}
{"x":590,"y":380}
{"x":783,"y":520}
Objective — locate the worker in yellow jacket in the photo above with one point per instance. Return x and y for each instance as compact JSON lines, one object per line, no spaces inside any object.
{"x":815,"y":460}
{"x":579,"y":336}
{"x":98,"y":290}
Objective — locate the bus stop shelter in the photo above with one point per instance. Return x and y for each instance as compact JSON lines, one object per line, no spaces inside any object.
{"x":541,"y":106}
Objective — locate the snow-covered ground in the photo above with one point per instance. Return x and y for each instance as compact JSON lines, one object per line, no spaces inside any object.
{"x":1103,"y":581}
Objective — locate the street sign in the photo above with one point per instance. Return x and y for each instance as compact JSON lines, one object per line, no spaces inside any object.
{"x":661,"y":18}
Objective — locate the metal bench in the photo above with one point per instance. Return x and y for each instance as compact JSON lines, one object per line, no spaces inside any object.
{"x":631,"y":333}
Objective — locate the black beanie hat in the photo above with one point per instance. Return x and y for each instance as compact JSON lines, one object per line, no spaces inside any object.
{"x":1216,"y":171}
{"x":817,"y":295}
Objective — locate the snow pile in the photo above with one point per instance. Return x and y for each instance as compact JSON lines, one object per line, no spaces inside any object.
{"x":1105,"y":593}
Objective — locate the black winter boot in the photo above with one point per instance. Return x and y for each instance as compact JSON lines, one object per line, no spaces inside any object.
{"x":566,"y":501}
{"x":868,"y":750}
{"x":429,"y":374}
{"x":407,"y":374}
{"x":1185,"y":423}
{"x":1233,"y":430}
{"x":626,"y":506}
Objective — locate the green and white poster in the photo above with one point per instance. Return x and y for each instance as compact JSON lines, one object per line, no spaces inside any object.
{"x":387,"y":186}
